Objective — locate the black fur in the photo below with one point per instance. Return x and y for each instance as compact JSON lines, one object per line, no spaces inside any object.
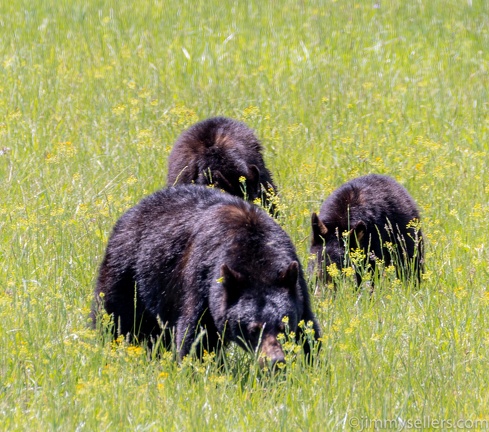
{"x":373,"y":209}
{"x":219,"y":151}
{"x":194,"y":257}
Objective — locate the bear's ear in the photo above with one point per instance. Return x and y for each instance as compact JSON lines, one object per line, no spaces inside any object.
{"x":232,"y":281}
{"x":357,"y":234}
{"x":288,"y":277}
{"x":253,"y":178}
{"x":319,"y":230}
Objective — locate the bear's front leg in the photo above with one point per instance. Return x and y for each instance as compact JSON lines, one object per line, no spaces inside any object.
{"x":196,"y":333}
{"x":185,"y":336}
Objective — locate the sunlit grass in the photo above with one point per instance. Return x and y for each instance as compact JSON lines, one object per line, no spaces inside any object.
{"x":92,"y":97}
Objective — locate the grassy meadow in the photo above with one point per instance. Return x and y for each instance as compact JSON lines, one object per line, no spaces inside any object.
{"x":92,"y":96}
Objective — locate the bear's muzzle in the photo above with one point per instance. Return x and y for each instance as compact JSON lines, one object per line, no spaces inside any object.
{"x":271,"y":352}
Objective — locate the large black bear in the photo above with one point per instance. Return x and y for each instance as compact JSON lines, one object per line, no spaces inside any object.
{"x":375,"y":211}
{"x":188,"y":258}
{"x":220,"y":151}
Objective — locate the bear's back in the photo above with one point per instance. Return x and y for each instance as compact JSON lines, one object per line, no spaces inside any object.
{"x":217,"y":143}
{"x":372,"y":199}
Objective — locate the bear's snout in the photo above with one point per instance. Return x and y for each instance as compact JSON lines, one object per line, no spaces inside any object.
{"x":271,"y":352}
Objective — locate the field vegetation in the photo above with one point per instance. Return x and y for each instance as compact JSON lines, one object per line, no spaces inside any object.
{"x":92,"y":96}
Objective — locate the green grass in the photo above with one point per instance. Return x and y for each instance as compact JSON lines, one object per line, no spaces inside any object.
{"x":92,"y":97}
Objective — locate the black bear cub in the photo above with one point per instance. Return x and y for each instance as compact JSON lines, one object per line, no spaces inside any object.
{"x":375,"y":213}
{"x":225,"y":153}
{"x":188,"y":258}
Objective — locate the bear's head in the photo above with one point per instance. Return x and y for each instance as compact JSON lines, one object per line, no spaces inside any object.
{"x":328,"y":244}
{"x":234,"y":178}
{"x":252,"y":308}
